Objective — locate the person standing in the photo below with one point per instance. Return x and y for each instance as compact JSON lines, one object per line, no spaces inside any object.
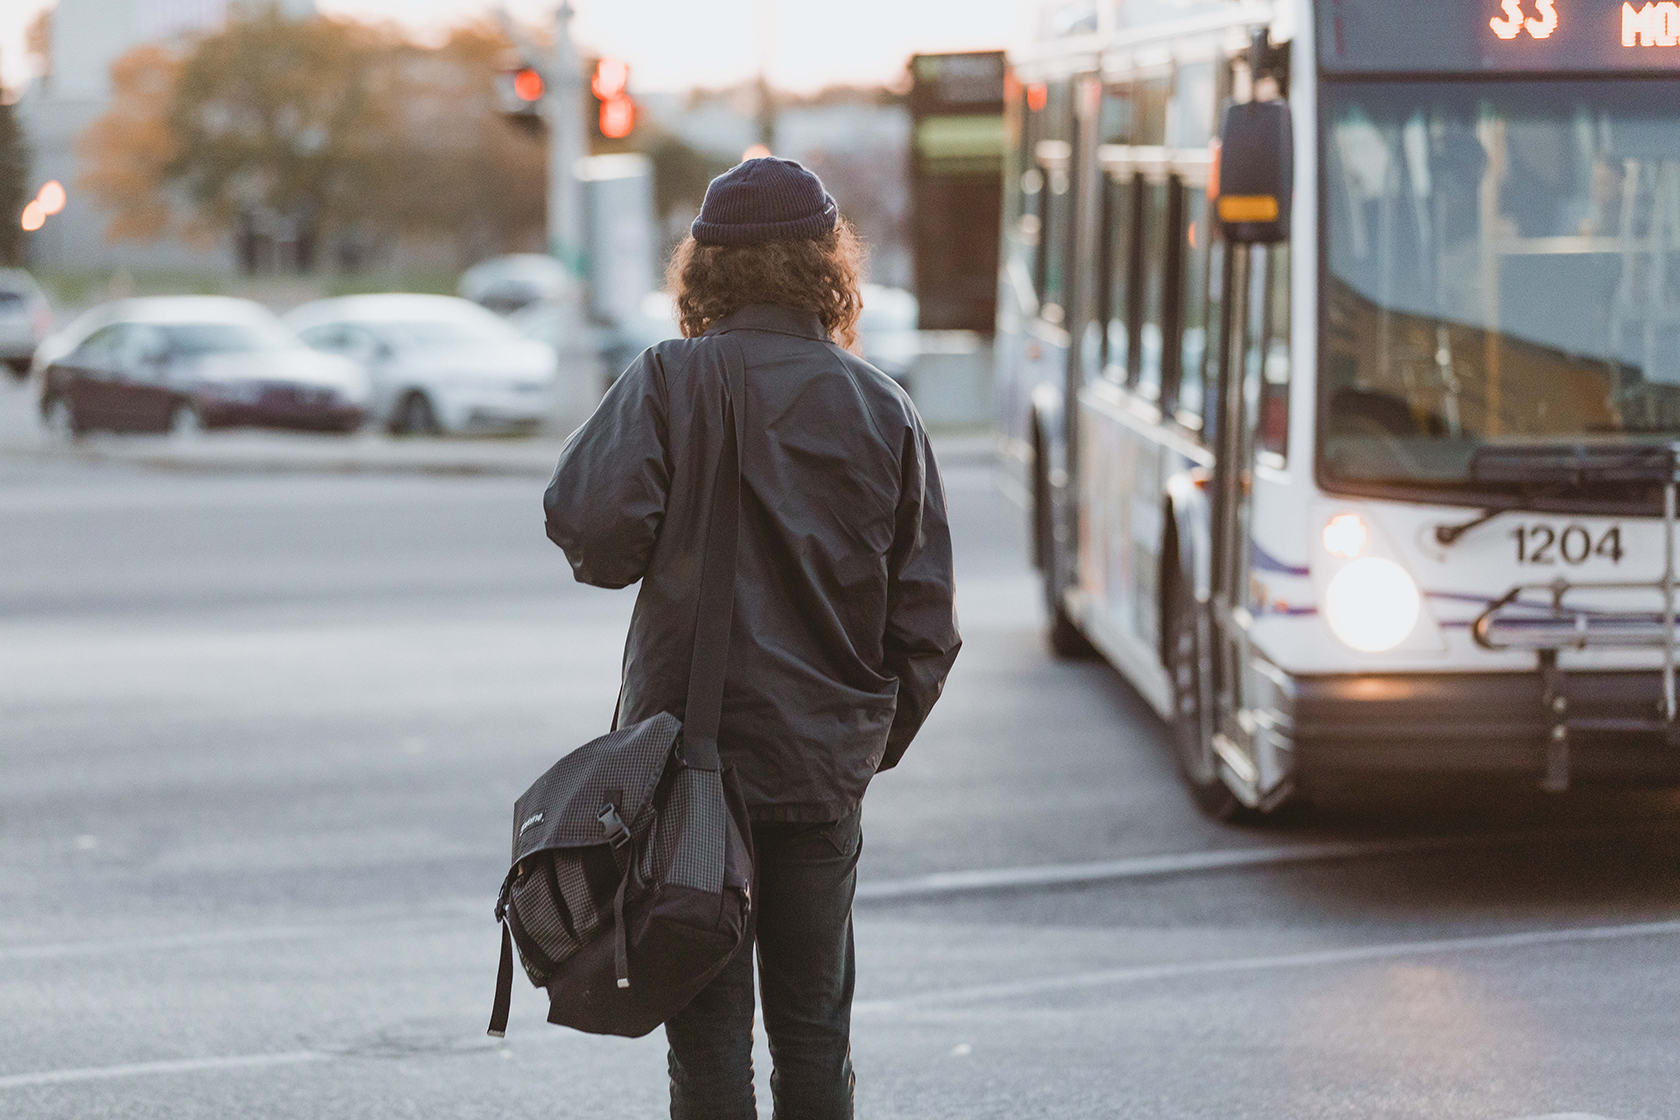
{"x":844,"y":627}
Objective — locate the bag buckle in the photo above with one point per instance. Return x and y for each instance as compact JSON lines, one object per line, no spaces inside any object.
{"x":503,"y":895}
{"x":617,"y":835}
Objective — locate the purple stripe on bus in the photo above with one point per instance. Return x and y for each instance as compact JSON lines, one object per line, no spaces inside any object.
{"x":1266,"y":562}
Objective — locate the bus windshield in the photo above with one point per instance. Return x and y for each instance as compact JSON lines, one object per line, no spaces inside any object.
{"x":1503,"y":265}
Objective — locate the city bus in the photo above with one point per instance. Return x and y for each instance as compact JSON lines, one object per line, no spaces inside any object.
{"x":1338,"y":368}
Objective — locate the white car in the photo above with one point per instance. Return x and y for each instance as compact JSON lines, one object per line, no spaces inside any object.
{"x":887,"y":330}
{"x":565,"y":325}
{"x":25,"y":318}
{"x":507,"y":283}
{"x":438,"y":364}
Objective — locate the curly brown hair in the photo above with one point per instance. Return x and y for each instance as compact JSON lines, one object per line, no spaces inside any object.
{"x":819,"y":275}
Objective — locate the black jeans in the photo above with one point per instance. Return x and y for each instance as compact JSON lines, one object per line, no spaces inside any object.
{"x":806,"y":875}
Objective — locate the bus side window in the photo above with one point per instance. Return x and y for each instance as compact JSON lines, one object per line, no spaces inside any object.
{"x":1156,"y":240}
{"x":1054,"y":164}
{"x":1053,"y":248}
{"x":1199,"y":89}
{"x":1199,"y":340}
{"x":1120,"y":267}
{"x":1035,"y":98}
{"x":1114,"y":125}
{"x":1153,"y":210}
{"x":1116,"y":272}
{"x":1190,"y":118}
{"x":1269,"y":360}
{"x":1149,"y":112}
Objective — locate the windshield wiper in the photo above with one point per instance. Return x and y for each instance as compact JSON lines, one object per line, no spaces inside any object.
{"x":1447,"y":535}
{"x":1550,"y":470}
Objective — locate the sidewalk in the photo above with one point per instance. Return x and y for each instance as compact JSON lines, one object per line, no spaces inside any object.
{"x":368,"y":452}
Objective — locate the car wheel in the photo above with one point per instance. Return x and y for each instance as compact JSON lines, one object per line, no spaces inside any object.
{"x":185,"y":422}
{"x":1192,"y":729}
{"x":415,"y":417}
{"x":61,"y":420}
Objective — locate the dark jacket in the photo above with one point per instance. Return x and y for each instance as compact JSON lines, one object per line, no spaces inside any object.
{"x":844,"y":626}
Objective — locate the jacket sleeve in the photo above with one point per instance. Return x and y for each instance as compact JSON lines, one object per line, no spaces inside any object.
{"x":921,"y":639}
{"x":607,"y":499}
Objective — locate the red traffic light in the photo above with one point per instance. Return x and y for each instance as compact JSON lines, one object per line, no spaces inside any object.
{"x":528,"y":85}
{"x":618,"y":117}
{"x":612,"y":77}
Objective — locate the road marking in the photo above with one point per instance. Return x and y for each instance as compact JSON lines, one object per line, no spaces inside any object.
{"x":983,"y":992}
{"x":1349,"y":955}
{"x":990,"y":880}
{"x":142,"y":1069}
{"x":936,"y":885}
{"x":209,"y":938}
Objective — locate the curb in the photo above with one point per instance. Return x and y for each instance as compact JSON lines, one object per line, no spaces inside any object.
{"x":527,"y":459}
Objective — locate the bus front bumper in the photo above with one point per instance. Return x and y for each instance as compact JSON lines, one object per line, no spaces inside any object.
{"x":1492,"y":724}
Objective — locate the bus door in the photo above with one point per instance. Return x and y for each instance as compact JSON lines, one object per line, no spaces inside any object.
{"x":1250,"y":429}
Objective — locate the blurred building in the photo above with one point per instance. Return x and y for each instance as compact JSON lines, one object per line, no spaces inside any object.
{"x":87,"y":37}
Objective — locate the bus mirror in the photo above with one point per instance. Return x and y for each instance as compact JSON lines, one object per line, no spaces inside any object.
{"x":1256,"y":172}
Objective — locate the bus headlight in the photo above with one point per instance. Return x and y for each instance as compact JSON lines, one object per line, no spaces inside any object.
{"x":1345,"y":536}
{"x":1372,"y":604}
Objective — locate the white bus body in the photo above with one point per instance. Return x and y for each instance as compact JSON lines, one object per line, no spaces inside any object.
{"x":1426,"y":204}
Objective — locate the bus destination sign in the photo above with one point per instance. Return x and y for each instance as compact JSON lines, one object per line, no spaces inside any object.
{"x":1484,"y":36}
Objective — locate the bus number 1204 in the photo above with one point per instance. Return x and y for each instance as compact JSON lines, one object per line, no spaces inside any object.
{"x":1546,"y":544}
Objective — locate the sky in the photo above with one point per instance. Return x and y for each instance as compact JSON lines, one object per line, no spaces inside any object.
{"x":679,"y":44}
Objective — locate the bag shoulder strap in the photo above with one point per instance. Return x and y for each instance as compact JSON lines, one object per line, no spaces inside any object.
{"x":703,"y":710}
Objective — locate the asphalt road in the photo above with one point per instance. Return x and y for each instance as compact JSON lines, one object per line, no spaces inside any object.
{"x":260,"y":738}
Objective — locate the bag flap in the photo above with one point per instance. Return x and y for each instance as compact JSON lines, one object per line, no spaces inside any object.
{"x":562,"y":809}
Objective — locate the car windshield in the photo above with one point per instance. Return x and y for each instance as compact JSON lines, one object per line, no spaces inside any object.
{"x":1503,"y":265}
{"x":447,"y":332}
{"x":225,"y":338}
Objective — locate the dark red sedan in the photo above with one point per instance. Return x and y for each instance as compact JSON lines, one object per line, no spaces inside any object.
{"x":188,"y":363}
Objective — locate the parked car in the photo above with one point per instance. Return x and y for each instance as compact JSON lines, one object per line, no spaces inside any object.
{"x":25,"y":319}
{"x":887,"y":330}
{"x":186,"y":363}
{"x":505,"y":284}
{"x":563,"y":324}
{"x":66,"y":338}
{"x":437,"y":363}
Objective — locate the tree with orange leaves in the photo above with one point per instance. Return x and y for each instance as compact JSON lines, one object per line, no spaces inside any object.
{"x":344,"y":130}
{"x":126,"y":152}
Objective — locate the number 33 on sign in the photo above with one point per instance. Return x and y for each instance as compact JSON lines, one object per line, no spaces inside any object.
{"x":1515,"y":21}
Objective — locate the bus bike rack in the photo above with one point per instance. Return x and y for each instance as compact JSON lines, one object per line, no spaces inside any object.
{"x":1510,"y":623}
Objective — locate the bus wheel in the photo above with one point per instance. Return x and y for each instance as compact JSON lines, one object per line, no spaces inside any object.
{"x":1066,"y":639}
{"x":1192,"y":729}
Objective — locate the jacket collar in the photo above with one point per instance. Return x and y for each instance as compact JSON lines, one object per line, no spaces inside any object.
{"x":774,"y":318}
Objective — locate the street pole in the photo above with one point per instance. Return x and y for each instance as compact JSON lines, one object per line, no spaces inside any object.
{"x":766,"y":49}
{"x":563,"y":112}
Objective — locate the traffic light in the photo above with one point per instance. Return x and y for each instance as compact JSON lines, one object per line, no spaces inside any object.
{"x":520,"y":91}
{"x":616,"y":113}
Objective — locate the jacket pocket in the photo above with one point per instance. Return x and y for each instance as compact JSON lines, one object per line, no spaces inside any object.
{"x":845,"y":835}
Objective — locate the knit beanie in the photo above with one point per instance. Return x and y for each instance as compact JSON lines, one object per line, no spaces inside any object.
{"x":765,"y":199}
